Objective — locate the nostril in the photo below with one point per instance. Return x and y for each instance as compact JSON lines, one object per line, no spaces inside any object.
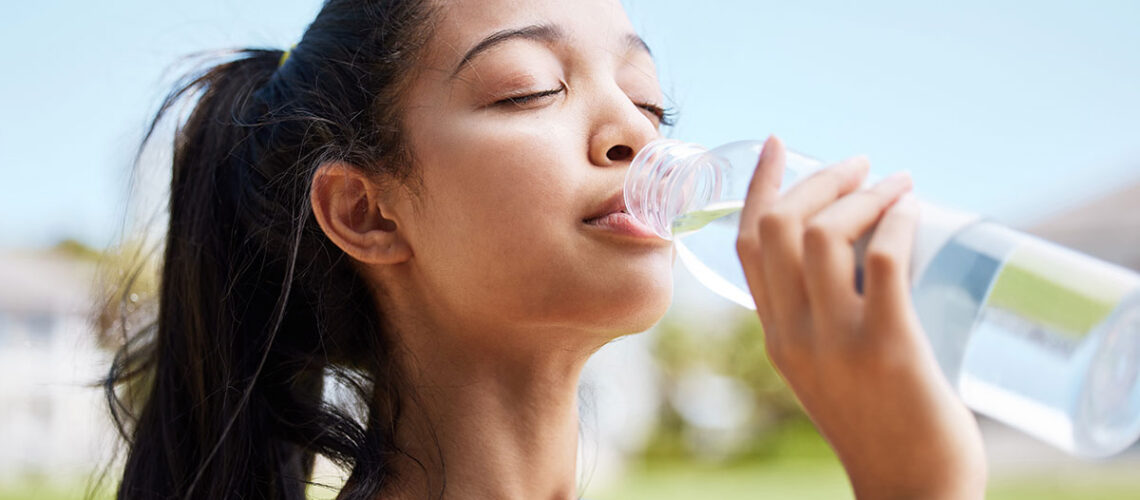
{"x":620,"y":153}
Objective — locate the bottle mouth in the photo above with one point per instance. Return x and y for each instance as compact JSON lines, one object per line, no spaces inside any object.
{"x":669,"y":178}
{"x":1113,"y":395}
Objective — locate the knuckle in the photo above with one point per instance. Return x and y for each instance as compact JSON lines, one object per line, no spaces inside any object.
{"x":880,"y":262}
{"x":747,"y":243}
{"x":775,"y":224}
{"x":818,"y":238}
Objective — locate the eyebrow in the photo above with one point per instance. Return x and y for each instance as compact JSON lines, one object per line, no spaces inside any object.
{"x":540,"y":32}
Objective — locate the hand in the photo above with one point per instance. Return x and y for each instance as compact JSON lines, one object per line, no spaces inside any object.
{"x":859,"y":364}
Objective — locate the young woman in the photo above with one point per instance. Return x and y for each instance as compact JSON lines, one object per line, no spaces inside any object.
{"x":423,"y":198}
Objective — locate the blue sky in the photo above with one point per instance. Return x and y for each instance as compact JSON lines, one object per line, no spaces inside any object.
{"x":1014,"y":109}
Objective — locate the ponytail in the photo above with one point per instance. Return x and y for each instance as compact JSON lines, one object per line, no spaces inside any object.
{"x":256,"y":307}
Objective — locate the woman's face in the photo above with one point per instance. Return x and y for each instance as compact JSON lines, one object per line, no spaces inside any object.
{"x":522,"y":122}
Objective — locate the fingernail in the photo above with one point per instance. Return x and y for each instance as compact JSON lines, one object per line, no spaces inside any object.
{"x":769,"y":147}
{"x":853,"y":165}
{"x":895,"y":180}
{"x":770,"y":143}
{"x":908,"y":202}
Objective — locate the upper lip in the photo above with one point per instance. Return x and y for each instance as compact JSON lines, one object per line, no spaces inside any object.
{"x":614,"y":204}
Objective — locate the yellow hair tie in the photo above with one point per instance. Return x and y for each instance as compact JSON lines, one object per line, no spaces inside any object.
{"x":285,"y":56}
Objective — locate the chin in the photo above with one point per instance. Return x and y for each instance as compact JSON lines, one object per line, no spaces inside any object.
{"x":610,"y":298}
{"x":637,"y":306}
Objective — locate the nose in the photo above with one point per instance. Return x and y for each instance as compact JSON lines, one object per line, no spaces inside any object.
{"x":621,"y":129}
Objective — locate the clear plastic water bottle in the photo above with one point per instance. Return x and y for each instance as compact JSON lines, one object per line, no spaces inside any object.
{"x":1040,"y":337}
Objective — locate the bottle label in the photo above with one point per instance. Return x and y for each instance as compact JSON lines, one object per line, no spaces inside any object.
{"x":1026,"y":360}
{"x":1052,"y":296}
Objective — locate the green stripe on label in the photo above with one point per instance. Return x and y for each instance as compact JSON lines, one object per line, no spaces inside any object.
{"x":1062,"y":290}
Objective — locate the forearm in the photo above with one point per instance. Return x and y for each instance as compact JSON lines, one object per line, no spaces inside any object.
{"x":935,"y":476}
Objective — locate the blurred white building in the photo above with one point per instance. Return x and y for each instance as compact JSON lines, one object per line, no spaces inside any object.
{"x":1107,"y":227}
{"x":52,"y":420}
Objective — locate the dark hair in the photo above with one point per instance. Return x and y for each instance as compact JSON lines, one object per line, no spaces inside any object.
{"x":255,"y":305}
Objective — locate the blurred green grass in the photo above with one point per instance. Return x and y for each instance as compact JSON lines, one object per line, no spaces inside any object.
{"x":680,"y":480}
{"x":53,"y":489}
{"x":797,"y":464}
{"x":810,"y":480}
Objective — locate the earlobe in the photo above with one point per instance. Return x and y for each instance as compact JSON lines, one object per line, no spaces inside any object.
{"x":349,"y":206}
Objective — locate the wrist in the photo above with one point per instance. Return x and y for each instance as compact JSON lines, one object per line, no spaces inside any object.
{"x":962,"y":481}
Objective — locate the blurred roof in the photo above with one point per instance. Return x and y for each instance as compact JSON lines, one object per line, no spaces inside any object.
{"x":45,"y":282}
{"x":1107,"y":227}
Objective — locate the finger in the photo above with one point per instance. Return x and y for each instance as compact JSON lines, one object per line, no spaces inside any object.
{"x":781,"y":229}
{"x":763,"y":190}
{"x":829,"y":253}
{"x":887,"y":266}
{"x":822,"y":188}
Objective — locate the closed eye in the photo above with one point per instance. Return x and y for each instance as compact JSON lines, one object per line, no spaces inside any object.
{"x":665,"y":116}
{"x":522,"y":100}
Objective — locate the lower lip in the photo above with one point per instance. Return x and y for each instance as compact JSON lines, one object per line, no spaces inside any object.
{"x":624,"y":224}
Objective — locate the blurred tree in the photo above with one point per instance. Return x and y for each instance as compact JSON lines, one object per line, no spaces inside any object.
{"x":732,"y":347}
{"x":124,"y":313}
{"x":76,"y":249}
{"x":126,"y":292}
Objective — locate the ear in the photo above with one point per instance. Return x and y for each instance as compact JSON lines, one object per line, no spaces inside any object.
{"x":353,"y":213}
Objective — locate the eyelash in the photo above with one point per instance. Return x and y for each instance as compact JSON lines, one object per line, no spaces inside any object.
{"x":524,"y":99}
{"x":665,"y":116}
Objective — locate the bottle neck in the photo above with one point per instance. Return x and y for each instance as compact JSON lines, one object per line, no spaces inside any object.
{"x":669,"y":178}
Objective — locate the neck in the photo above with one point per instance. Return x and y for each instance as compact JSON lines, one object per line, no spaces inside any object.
{"x":491,"y":422}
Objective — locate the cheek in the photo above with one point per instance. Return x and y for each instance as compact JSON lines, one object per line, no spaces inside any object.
{"x":502,"y":198}
{"x":496,"y":221}
{"x":545,"y":279}
{"x":501,"y":239}
{"x":485,"y":168}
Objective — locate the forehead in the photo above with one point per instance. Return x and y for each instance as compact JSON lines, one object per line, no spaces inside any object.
{"x":460,"y":24}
